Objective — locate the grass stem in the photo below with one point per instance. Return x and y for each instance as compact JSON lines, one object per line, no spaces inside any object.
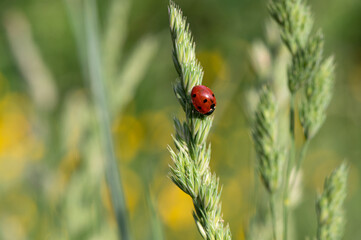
{"x":99,"y":95}
{"x":300,"y":158}
{"x":273,"y":215}
{"x":289,"y":165}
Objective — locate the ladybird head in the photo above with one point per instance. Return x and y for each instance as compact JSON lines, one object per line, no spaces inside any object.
{"x":213,"y":107}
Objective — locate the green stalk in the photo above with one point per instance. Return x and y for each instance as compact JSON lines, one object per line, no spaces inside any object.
{"x":292,"y":119}
{"x":99,"y":95}
{"x":270,"y":157}
{"x":289,"y":164}
{"x":273,"y":215}
{"x":308,"y":71}
{"x":301,"y":156}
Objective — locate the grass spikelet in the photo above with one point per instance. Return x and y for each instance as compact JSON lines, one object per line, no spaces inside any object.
{"x":316,"y":98}
{"x":264,"y":135}
{"x":190,"y":170}
{"x":329,"y":205}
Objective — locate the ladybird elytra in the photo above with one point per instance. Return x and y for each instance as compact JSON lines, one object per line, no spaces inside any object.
{"x":203,"y":99}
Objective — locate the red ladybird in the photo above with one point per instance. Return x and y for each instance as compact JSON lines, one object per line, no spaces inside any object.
{"x":203,"y":99}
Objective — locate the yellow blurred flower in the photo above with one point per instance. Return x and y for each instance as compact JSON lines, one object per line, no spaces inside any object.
{"x":17,"y":143}
{"x":158,"y":126}
{"x":14,"y":126}
{"x":129,"y":137}
{"x":240,"y":234}
{"x":233,"y":198}
{"x":175,"y":207}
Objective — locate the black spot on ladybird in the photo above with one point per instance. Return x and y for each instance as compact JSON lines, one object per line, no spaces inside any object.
{"x":205,"y":100}
{"x":199,"y":107}
{"x":213,"y":94}
{"x":193,"y":96}
{"x":212,"y":106}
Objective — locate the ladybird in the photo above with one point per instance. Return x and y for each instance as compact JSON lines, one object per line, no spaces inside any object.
{"x":203,"y":99}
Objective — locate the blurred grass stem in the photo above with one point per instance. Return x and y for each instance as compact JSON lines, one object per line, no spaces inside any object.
{"x":289,"y":165}
{"x":98,"y":92}
{"x":302,"y":155}
{"x":114,"y":37}
{"x":273,"y":215}
{"x":28,"y":57}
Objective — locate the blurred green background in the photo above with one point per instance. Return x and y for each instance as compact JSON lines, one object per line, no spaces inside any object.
{"x":52,"y":183}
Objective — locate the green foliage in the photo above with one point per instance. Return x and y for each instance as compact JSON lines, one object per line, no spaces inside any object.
{"x":330,"y":212}
{"x":295,"y":21}
{"x":52,"y":173}
{"x":191,"y":171}
{"x":308,"y":72}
